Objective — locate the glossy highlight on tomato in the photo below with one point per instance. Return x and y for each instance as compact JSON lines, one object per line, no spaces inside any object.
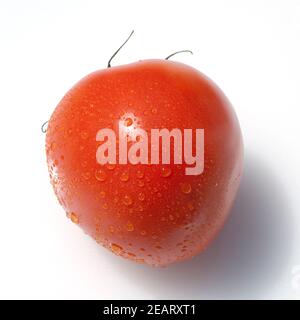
{"x":153,"y":214}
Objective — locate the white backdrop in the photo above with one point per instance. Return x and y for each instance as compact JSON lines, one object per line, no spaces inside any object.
{"x":249,"y":48}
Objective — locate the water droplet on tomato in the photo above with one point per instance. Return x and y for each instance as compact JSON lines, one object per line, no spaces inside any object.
{"x":84,"y":164}
{"x":100,"y":175}
{"x":127,"y":200}
{"x":141,"y":183}
{"x":105,"y":206}
{"x":84,"y":135}
{"x":129,"y":227}
{"x":74,"y":218}
{"x":124,"y":176}
{"x":186,"y":188}
{"x":130,"y":254}
{"x":52,"y":146}
{"x":140,"y":174}
{"x":141,"y":196}
{"x":116,"y":248}
{"x":166,"y":172}
{"x":110,"y":166}
{"x":102,"y":194}
{"x":128,"y":122}
{"x":86,"y":175}
{"x":190,"y":206}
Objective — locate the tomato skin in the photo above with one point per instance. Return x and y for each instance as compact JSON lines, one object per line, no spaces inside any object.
{"x":139,"y":211}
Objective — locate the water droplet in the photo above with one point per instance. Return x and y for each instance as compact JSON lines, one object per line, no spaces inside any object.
{"x":84,"y":135}
{"x":166,"y":172}
{"x":100,"y":175}
{"x":190,"y":206}
{"x":141,"y":183}
{"x":102,"y":194}
{"x":124,"y":176}
{"x":128,"y":122}
{"x":140,"y":174}
{"x":84,"y":164}
{"x":116,"y":248}
{"x":129,"y":226}
{"x":130,"y":254}
{"x":52,"y":146}
{"x":86,"y":175}
{"x":105,"y":206}
{"x":110,"y":166}
{"x":141,"y":196}
{"x":127,"y":200}
{"x":74,"y":218}
{"x":186,"y":188}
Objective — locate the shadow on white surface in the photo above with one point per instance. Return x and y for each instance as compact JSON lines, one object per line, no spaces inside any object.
{"x":246,"y":259}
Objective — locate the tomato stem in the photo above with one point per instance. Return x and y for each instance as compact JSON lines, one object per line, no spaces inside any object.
{"x":173,"y":54}
{"x":109,"y":65}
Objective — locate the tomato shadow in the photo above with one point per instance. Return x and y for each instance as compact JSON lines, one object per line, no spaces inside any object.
{"x":246,"y":259}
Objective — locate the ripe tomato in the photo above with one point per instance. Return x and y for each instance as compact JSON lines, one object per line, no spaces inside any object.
{"x":155,"y":213}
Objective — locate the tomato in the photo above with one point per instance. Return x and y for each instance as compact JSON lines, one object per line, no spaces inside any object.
{"x":150,"y":213}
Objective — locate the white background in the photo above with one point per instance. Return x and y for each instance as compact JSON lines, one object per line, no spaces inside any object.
{"x":249,"y":48}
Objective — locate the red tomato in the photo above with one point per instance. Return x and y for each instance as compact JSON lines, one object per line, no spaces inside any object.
{"x":154,"y":214}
